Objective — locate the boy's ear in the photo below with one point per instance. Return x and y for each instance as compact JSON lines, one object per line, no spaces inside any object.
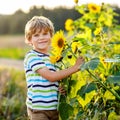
{"x":28,"y":42}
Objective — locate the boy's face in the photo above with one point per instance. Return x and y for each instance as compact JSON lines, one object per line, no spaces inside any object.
{"x":41,"y":41}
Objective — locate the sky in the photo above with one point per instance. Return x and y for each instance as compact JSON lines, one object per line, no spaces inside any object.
{"x":10,"y":6}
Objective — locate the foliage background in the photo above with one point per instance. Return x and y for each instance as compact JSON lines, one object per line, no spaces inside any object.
{"x":12,"y":94}
{"x":14,"y":23}
{"x":94,"y":92}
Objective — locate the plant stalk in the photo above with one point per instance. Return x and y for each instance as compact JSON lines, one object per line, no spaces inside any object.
{"x":111,"y":90}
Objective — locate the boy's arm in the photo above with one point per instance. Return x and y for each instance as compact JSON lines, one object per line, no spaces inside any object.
{"x":58,"y":75}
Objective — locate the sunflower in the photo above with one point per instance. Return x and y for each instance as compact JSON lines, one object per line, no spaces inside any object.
{"x":69,"y":25}
{"x":75,"y":46}
{"x":54,"y":58}
{"x":94,"y":8}
{"x":58,"y":41}
{"x":76,"y":1}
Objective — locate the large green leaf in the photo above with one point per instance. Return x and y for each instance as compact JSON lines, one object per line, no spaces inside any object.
{"x":65,"y":111}
{"x":92,"y":64}
{"x":86,"y":89}
{"x":90,"y":25}
{"x":113,"y":79}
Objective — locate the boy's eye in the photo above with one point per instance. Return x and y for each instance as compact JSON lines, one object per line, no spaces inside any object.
{"x":36,"y":35}
{"x":45,"y":33}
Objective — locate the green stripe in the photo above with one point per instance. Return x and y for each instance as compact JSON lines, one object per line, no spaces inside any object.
{"x":46,"y":59}
{"x":33,"y":55}
{"x":29,"y":103}
{"x":44,"y":91}
{"x":32,"y":75}
{"x":30,"y":89}
{"x":40,"y":106}
{"x":39,"y":67}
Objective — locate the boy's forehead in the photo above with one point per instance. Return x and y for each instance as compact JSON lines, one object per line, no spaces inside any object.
{"x":39,"y":30}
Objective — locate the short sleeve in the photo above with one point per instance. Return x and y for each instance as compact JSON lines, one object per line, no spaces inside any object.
{"x":36,"y":62}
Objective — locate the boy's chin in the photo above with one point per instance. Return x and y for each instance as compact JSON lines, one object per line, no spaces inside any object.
{"x":42,"y":48}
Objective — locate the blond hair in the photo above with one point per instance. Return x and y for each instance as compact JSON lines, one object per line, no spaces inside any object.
{"x":38,"y":22}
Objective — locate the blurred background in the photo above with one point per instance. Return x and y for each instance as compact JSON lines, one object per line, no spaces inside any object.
{"x":13,"y":16}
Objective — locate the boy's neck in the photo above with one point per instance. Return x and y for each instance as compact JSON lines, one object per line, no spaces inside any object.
{"x":43,"y":52}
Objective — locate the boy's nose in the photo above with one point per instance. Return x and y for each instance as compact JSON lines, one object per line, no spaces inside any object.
{"x":41,"y":37}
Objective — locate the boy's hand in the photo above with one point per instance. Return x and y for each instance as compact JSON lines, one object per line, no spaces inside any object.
{"x":62,"y":90}
{"x":80,"y":60}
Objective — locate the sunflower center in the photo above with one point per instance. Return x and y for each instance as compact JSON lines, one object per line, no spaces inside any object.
{"x":60,"y":43}
{"x":94,"y":8}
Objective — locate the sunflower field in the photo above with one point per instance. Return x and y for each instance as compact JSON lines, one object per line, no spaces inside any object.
{"x":93,"y":93}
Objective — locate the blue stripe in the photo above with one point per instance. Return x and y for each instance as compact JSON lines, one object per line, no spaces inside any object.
{"x":30,"y":94}
{"x":48,"y":64}
{"x":35,"y":59}
{"x":41,"y":96}
{"x":37,"y":80}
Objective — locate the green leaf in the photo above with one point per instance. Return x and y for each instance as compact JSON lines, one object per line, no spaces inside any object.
{"x":90,"y":25}
{"x":81,"y":40}
{"x":113,"y":79}
{"x":74,"y":102}
{"x":117,"y":56}
{"x":65,"y":111}
{"x":112,"y":60}
{"x":116,"y":42}
{"x":80,"y":114}
{"x":92,"y":64}
{"x":86,"y":89}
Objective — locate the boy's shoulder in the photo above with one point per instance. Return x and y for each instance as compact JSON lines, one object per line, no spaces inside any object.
{"x":30,"y":54}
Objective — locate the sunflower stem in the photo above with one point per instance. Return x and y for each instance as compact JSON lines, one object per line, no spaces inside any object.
{"x":72,"y":51}
{"x":111,"y":90}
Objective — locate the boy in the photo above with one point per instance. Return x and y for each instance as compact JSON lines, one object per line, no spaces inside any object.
{"x":41,"y":76}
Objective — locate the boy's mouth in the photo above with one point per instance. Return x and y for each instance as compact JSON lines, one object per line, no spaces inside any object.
{"x":43,"y":41}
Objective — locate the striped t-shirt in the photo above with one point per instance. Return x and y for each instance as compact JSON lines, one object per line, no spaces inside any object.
{"x":41,"y":93}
